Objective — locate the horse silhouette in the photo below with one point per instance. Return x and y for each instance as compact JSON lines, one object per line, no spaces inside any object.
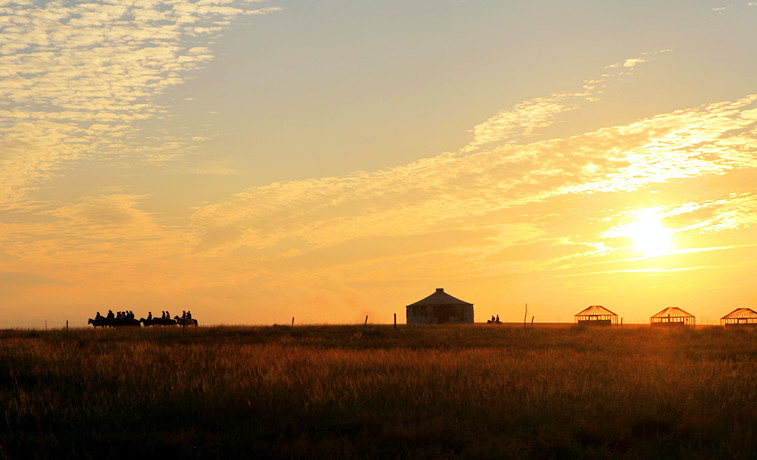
{"x":97,"y":322}
{"x":113,"y":322}
{"x":158,"y":322}
{"x":185,"y":321}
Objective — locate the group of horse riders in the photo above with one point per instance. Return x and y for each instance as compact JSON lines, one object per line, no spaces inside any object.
{"x":121,"y":318}
{"x":186,"y":315}
{"x":126,"y":318}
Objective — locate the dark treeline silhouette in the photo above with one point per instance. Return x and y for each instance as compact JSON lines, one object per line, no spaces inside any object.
{"x":126,"y":318}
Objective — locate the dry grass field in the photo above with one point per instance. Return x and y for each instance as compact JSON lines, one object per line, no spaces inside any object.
{"x":378,"y":392}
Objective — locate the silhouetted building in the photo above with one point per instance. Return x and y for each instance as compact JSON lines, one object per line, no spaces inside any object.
{"x":740,"y":317}
{"x":672,"y":316}
{"x":596,"y":315}
{"x":440,"y":308}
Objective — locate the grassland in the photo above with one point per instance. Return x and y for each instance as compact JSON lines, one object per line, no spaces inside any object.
{"x":354,"y":392}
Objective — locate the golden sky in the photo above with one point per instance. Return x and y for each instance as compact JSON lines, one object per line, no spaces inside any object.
{"x":255,"y":161}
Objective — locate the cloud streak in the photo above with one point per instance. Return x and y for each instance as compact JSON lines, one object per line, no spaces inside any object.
{"x":444,"y":192}
{"x":518,"y":123}
{"x":76,"y":78}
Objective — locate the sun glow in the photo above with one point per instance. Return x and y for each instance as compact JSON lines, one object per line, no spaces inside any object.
{"x":650,"y":238}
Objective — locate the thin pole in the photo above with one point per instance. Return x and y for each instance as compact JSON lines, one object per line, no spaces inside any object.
{"x":525,"y":316}
{"x":395,"y":320}
{"x":366,"y":320}
{"x":292,"y":321}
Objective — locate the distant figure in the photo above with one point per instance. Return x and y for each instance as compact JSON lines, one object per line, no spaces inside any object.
{"x":98,"y":316}
{"x":184,"y":314}
{"x":110,"y":314}
{"x":189,"y":314}
{"x":497,"y":318}
{"x":149,"y":316}
{"x":163,"y":314}
{"x":492,"y":318}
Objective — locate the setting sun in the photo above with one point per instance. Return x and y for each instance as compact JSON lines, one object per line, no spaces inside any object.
{"x":650,"y":237}
{"x":647,"y":235}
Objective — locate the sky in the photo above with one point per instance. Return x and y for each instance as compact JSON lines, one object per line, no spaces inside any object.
{"x":258,"y":161}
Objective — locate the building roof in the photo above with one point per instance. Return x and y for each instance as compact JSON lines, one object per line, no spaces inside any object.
{"x":595,"y":310}
{"x":741,"y":313}
{"x":672,"y":312}
{"x":440,"y":298}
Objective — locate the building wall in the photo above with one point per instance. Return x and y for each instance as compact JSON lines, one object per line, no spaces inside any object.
{"x":440,"y":314}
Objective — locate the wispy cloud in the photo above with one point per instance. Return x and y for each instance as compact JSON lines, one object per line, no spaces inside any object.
{"x":517,"y":123}
{"x":632,"y":62}
{"x":75,"y":78}
{"x":97,"y":241}
{"x":502,"y":187}
{"x":92,"y":225}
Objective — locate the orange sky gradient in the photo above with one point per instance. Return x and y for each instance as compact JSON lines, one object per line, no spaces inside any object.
{"x":256,"y":161}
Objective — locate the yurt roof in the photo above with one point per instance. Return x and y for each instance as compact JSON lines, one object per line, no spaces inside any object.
{"x":439,"y":298}
{"x":741,"y":313}
{"x":595,"y":310}
{"x":673,"y":312}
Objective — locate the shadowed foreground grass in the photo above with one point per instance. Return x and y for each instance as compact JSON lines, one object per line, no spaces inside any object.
{"x":350,"y":391}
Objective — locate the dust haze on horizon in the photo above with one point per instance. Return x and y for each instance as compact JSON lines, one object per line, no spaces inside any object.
{"x":254,"y":161}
